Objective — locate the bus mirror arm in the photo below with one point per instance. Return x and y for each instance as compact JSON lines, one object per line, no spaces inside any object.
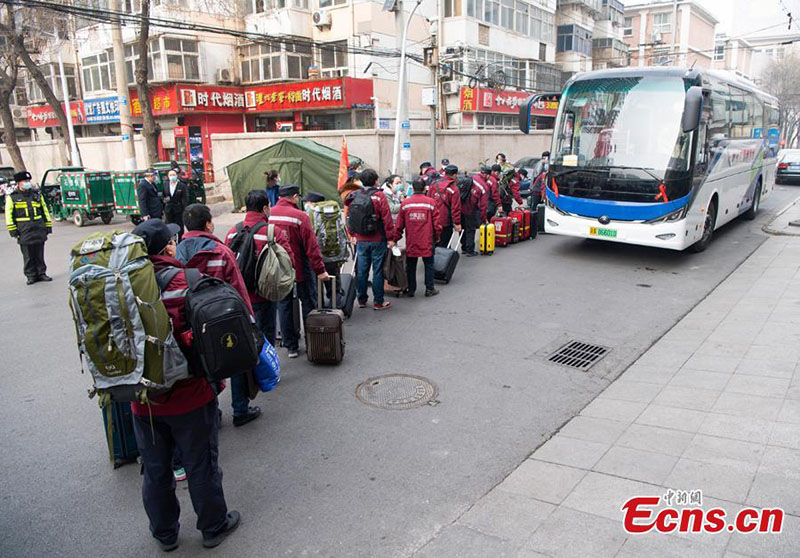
{"x":692,"y":107}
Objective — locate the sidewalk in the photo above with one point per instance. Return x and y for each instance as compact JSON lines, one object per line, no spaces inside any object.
{"x":714,"y":405}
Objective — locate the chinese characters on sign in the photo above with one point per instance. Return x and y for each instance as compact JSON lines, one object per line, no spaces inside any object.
{"x":294,"y":96}
{"x":40,"y":117}
{"x":479,"y":99}
{"x":103,"y":110}
{"x":216,"y":99}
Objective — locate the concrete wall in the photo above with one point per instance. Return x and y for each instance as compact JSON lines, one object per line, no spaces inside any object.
{"x":465,"y":148}
{"x":97,"y":153}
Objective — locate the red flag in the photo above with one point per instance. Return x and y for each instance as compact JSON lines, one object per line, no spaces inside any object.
{"x":343,"y":163}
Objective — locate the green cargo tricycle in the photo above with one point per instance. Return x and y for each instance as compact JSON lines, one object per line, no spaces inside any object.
{"x":84,"y":195}
{"x":126,"y":200}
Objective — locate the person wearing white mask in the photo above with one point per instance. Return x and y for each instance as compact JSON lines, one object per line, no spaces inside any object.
{"x":28,"y":220}
{"x":176,"y":199}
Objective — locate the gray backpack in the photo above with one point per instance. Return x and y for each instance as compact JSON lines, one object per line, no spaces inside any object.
{"x":274,"y":271}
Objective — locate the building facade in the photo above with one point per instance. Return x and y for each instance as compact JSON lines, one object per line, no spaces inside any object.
{"x":734,"y":55}
{"x":670,"y":33}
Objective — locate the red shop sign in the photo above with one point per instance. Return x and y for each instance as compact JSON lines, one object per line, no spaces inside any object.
{"x":39,"y":117}
{"x":210,"y":99}
{"x":163,"y":100}
{"x":479,"y":99}
{"x":336,"y":93}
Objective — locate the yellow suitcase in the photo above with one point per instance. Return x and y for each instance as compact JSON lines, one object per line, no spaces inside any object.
{"x":486,"y":246}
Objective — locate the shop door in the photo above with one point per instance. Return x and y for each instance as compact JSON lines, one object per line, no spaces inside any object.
{"x":181,"y":144}
{"x":290,"y":169}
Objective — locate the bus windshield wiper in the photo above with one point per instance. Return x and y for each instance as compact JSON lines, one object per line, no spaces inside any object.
{"x":570,"y":170}
{"x":623,"y":167}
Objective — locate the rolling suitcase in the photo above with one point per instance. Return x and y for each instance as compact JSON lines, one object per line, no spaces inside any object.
{"x":502,"y":231}
{"x":324,"y":331}
{"x":515,"y":231}
{"x":445,"y":260}
{"x":524,"y":218}
{"x":348,"y":290}
{"x":118,"y":422}
{"x":540,"y":218}
{"x":486,"y":239}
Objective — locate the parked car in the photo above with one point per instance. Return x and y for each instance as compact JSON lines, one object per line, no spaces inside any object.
{"x":788,"y":166}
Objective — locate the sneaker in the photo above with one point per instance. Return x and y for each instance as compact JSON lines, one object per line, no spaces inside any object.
{"x":180,"y":474}
{"x":383,"y":306}
{"x":294,"y":353}
{"x":432,"y":292}
{"x":362,"y":304}
{"x":230,"y":526}
{"x":252,"y":414}
{"x":168,"y":547}
{"x":408,"y":293}
{"x":471,"y":254}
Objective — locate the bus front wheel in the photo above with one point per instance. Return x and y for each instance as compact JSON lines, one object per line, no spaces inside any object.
{"x":708,"y":228}
{"x":750,"y":214}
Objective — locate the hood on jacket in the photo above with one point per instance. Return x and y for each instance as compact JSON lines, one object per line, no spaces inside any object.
{"x":188,"y":247}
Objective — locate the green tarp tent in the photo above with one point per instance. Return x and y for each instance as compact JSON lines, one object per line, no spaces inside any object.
{"x":311,"y":165}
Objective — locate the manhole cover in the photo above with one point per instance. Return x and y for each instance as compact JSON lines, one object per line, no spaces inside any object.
{"x":578,"y":354}
{"x":396,"y":392}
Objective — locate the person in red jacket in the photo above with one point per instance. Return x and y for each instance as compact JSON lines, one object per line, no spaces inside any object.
{"x":186,"y":418}
{"x":445,"y":164}
{"x":510,"y":190}
{"x":293,"y":228}
{"x":255,"y":222}
{"x":200,"y":249}
{"x":473,"y":212}
{"x":371,"y":247}
{"x":448,"y":202}
{"x":490,"y":197}
{"x":427,"y":173}
{"x":418,"y":218}
{"x":495,"y":202}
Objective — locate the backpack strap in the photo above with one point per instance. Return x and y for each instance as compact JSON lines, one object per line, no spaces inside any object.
{"x":193,"y":277}
{"x":165,"y":276}
{"x":271,"y":233}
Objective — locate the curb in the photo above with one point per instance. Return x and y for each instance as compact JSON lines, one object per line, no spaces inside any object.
{"x":774,"y":232}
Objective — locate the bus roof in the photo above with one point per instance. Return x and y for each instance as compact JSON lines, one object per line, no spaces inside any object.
{"x":673,"y":71}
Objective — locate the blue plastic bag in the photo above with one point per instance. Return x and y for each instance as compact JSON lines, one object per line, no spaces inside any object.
{"x":268,"y":370}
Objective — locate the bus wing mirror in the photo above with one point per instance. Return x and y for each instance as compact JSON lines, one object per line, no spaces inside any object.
{"x":692,"y":107}
{"x":526,"y":108}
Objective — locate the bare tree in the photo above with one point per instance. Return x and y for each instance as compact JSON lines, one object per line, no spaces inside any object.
{"x":150,"y":128}
{"x":9,"y":71}
{"x":25,"y":44}
{"x":780,"y":79}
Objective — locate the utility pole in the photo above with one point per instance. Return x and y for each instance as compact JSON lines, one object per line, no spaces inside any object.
{"x":75,"y":156}
{"x":121,"y":77}
{"x":402,"y":129}
{"x":674,"y":31}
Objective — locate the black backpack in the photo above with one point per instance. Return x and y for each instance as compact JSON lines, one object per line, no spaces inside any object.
{"x":243,"y":245}
{"x":226,"y":340}
{"x":464,"y":188}
{"x":361,"y":218}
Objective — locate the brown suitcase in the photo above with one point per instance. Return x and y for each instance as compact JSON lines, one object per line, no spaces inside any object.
{"x":324,"y":331}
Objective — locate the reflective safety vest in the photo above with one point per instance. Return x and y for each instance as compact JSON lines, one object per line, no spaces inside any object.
{"x":27,"y":217}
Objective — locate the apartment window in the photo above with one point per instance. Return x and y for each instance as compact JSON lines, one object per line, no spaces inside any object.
{"x":719,"y":52}
{"x":333,"y":59}
{"x":331,"y":3}
{"x":155,"y":70}
{"x":515,"y":15}
{"x":661,"y":57}
{"x":183,"y":60}
{"x":261,"y":63}
{"x":98,"y":72}
{"x":452,"y":8}
{"x":522,"y":17}
{"x":52,"y":76}
{"x":627,"y":27}
{"x":497,"y":122}
{"x":661,"y":22}
{"x":298,"y":59}
{"x":542,"y":51}
{"x":573,"y":38}
{"x":262,"y":6}
{"x":544,"y":77}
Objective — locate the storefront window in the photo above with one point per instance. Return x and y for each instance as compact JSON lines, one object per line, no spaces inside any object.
{"x":98,"y":72}
{"x":364,"y":120}
{"x":497,"y":122}
{"x":333,"y":59}
{"x":52,"y":76}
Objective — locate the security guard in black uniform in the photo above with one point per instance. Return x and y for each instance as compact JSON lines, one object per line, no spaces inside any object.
{"x":28,"y":220}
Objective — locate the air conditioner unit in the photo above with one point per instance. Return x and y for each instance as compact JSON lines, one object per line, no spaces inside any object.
{"x":224,"y":76}
{"x":450,"y":87}
{"x":321,"y":18}
{"x":19,"y":113}
{"x":657,"y":37}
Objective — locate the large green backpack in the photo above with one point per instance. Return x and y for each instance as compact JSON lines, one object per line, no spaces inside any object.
{"x":123,"y":329}
{"x":326,"y":220}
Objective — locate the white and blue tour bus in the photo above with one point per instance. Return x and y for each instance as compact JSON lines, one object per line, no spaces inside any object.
{"x":658,"y":156}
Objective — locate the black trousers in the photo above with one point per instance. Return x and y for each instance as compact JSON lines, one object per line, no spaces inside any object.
{"x":33,"y":260}
{"x":411,"y":273}
{"x":175,"y":215}
{"x":447,"y":234}
{"x":195,"y":435}
{"x":507,"y":207}
{"x":471,"y":223}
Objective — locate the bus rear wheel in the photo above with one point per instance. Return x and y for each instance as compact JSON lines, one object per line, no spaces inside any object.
{"x":750,"y":214}
{"x":708,"y":229}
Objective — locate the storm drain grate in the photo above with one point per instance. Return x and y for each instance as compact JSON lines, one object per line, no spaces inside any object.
{"x":578,"y":354}
{"x":396,"y":392}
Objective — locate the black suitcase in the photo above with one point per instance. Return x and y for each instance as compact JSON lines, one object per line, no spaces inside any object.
{"x":324,"y":331}
{"x":118,"y":422}
{"x":540,"y":217}
{"x":516,"y":234}
{"x":348,"y":290}
{"x":445,"y":260}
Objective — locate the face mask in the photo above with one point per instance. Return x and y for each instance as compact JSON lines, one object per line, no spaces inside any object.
{"x":27,"y":185}
{"x":173,"y":178}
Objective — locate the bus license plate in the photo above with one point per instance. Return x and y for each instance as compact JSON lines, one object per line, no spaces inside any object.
{"x":598,"y":231}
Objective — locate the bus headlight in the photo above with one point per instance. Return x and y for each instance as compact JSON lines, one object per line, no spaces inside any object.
{"x":671,"y":217}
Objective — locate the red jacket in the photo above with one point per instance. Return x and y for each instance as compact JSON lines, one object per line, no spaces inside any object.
{"x":514,"y":186}
{"x":191,"y":393}
{"x":479,"y":182}
{"x":384,"y":214}
{"x":251,"y":219}
{"x":428,"y":175}
{"x":420,"y":219}
{"x":494,"y":189}
{"x":293,"y":229}
{"x":448,"y":200}
{"x":205,"y":252}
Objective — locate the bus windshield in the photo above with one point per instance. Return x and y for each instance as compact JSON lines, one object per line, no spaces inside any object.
{"x":624,"y":122}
